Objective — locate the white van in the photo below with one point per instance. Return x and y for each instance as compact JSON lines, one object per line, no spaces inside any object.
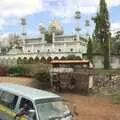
{"x":42,"y":105}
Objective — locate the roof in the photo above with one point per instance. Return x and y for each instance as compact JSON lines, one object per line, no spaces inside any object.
{"x":28,"y":92}
{"x":69,"y":61}
{"x":15,"y":51}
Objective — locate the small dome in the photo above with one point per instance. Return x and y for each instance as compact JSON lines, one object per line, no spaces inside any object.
{"x":59,"y":29}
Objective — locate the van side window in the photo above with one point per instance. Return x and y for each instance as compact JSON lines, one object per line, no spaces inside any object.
{"x":29,"y":104}
{"x":26,"y":101}
{"x":8,"y":99}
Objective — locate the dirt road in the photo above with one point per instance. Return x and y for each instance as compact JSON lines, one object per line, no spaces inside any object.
{"x":93,"y":107}
{"x":22,"y":81}
{"x":88,"y":107}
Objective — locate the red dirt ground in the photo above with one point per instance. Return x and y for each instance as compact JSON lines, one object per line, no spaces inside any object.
{"x":88,"y":107}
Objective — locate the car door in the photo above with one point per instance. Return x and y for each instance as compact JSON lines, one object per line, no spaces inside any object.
{"x":8,"y":103}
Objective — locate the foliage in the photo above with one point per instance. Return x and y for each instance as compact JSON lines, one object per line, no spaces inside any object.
{"x":116,"y":48}
{"x":35,"y":68}
{"x":14,"y":41}
{"x":96,"y":45}
{"x":89,"y":50}
{"x":102,"y":32}
{"x":4,"y":50}
{"x":18,"y":71}
{"x":117,"y":36}
{"x":3,"y":71}
{"x":48,"y":37}
{"x":116,"y":43}
{"x":42,"y":76}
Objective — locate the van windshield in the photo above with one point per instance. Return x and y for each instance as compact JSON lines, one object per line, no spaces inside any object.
{"x":52,"y":110}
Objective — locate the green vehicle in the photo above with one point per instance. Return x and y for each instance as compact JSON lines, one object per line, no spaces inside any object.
{"x":42,"y":105}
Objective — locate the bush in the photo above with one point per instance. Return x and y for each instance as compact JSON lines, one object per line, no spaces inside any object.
{"x":3,"y":71}
{"x":42,"y":76}
{"x":35,"y":68}
{"x":18,"y":71}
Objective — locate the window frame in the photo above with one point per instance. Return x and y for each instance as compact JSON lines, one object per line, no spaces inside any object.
{"x":2,"y":92}
{"x":33,"y":105}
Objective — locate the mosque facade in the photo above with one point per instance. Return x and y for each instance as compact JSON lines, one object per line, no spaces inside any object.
{"x":32,"y":46}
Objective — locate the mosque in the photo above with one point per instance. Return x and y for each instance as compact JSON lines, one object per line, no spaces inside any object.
{"x":60,"y":46}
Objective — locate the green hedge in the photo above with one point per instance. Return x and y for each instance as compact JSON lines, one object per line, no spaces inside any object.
{"x":38,"y":72}
{"x":18,"y":71}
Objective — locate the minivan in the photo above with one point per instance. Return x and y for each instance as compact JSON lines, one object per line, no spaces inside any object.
{"x":42,"y":105}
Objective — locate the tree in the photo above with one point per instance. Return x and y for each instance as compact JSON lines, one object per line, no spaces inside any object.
{"x":48,"y":37}
{"x":116,"y":43}
{"x":102,"y":31}
{"x":3,"y":50}
{"x":89,"y":50}
{"x":117,"y":36}
{"x":14,"y":41}
{"x":96,"y":45}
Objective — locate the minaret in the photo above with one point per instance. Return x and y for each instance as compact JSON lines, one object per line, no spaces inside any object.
{"x":53,"y":29}
{"x":77,"y":29}
{"x":42,"y":32}
{"x":23,"y":24}
{"x":87,"y":25}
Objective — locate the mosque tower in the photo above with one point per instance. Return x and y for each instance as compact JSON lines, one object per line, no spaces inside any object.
{"x":77,"y":29}
{"x":23,"y":24}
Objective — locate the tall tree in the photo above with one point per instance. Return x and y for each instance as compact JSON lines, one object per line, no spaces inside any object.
{"x":116,"y":43}
{"x":102,"y":31}
{"x":48,"y":37}
{"x":89,"y":50}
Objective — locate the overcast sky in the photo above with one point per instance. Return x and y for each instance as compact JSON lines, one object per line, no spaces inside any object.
{"x":44,"y":11}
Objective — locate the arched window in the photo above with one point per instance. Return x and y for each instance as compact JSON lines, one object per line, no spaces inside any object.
{"x":59,"y":50}
{"x":71,"y":49}
{"x":38,"y":51}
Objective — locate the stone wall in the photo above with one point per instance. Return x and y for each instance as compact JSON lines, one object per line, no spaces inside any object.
{"x":106,"y":83}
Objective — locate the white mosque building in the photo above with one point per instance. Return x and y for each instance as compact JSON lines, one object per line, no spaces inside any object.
{"x":62,"y":45}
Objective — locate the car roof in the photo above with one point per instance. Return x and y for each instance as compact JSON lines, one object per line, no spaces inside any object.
{"x":27,"y":92}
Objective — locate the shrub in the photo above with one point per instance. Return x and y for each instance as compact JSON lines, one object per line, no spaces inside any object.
{"x":18,"y":71}
{"x":42,"y":76}
{"x":3,"y":71}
